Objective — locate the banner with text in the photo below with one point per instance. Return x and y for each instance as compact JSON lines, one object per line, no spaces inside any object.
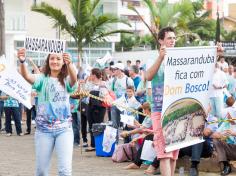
{"x":43,"y":45}
{"x":188,"y":74}
{"x":14,"y":85}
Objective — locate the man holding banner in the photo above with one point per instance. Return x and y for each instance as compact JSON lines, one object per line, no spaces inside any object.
{"x":179,"y":116}
{"x":155,"y":73}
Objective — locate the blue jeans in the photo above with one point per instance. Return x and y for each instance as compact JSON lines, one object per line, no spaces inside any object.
{"x":194,"y":151}
{"x":12,"y":112}
{"x":115,"y":116}
{"x":62,"y":140}
{"x":197,"y":151}
{"x":20,"y":110}
{"x":76,"y":127}
{"x":217,"y":104}
{"x":1,"y":112}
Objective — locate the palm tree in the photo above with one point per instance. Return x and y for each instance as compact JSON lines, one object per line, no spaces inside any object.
{"x":197,"y":26}
{"x":88,"y":25}
{"x":229,"y":35}
{"x":2,"y":29}
{"x":164,"y":14}
{"x":184,"y":16}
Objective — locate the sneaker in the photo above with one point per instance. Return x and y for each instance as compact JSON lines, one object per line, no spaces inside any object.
{"x":193,"y":171}
{"x":226,"y":170}
{"x":85,"y":144}
{"x":33,"y":122}
{"x":76,"y":144}
{"x":26,"y":133}
{"x":12,"y":122}
{"x":8,"y":134}
{"x":21,"y":134}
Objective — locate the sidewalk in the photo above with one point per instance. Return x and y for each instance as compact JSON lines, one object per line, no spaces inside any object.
{"x":17,"y":158}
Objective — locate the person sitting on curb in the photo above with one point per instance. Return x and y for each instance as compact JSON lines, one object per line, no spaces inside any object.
{"x":146,"y":135}
{"x":138,"y":128}
{"x":224,"y":137}
{"x":197,"y":151}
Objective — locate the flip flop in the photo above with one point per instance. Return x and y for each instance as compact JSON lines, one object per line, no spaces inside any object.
{"x":89,"y":149}
{"x":155,"y":172}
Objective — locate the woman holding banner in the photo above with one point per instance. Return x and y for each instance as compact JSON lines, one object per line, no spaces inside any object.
{"x":53,"y":119}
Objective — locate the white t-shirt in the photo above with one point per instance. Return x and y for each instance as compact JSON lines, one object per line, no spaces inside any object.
{"x":219,"y":80}
{"x":120,"y":85}
{"x":231,"y":110}
{"x":127,"y":102}
{"x":223,"y":65}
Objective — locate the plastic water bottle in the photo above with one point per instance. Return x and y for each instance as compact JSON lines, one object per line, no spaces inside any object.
{"x":181,"y":171}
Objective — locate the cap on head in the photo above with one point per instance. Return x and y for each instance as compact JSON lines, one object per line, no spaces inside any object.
{"x":120,"y":66}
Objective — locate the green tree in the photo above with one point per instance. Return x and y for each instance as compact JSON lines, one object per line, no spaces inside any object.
{"x":165,"y":14}
{"x":129,"y":41}
{"x":229,"y":35}
{"x":200,"y":24}
{"x":148,"y":40}
{"x":186,"y":17}
{"x":89,"y":24}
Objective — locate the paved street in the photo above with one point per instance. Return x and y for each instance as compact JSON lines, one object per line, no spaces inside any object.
{"x":17,"y":159}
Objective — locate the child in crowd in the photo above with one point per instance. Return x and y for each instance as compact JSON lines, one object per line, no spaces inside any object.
{"x":11,"y":110}
{"x":144,"y":134}
{"x":127,"y":100}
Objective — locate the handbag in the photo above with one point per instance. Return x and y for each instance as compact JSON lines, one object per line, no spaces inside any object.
{"x":124,"y":152}
{"x":109,"y":97}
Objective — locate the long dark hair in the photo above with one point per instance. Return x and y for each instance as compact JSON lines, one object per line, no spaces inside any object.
{"x":97,"y":72}
{"x":61,"y":76}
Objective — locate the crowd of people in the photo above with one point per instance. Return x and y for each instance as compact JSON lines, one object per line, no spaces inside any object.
{"x":62,"y":117}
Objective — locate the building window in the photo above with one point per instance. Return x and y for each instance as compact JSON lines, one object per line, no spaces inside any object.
{"x":131,"y":17}
{"x":131,"y":3}
{"x":134,"y":3}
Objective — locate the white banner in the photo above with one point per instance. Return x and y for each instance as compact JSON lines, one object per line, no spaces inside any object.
{"x":188,"y":74}
{"x":102,"y":61}
{"x":45,"y":45}
{"x":109,"y":138}
{"x":14,"y":85}
{"x":148,"y":151}
{"x":127,"y":119}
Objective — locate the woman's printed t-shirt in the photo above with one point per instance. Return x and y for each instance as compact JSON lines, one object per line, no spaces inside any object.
{"x":53,"y":110}
{"x":158,"y":90}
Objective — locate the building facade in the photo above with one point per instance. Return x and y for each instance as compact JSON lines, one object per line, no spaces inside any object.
{"x":15,"y":26}
{"x":21,"y":22}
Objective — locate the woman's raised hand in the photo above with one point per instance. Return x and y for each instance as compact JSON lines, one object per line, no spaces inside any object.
{"x":21,"y":54}
{"x":66,"y":58}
